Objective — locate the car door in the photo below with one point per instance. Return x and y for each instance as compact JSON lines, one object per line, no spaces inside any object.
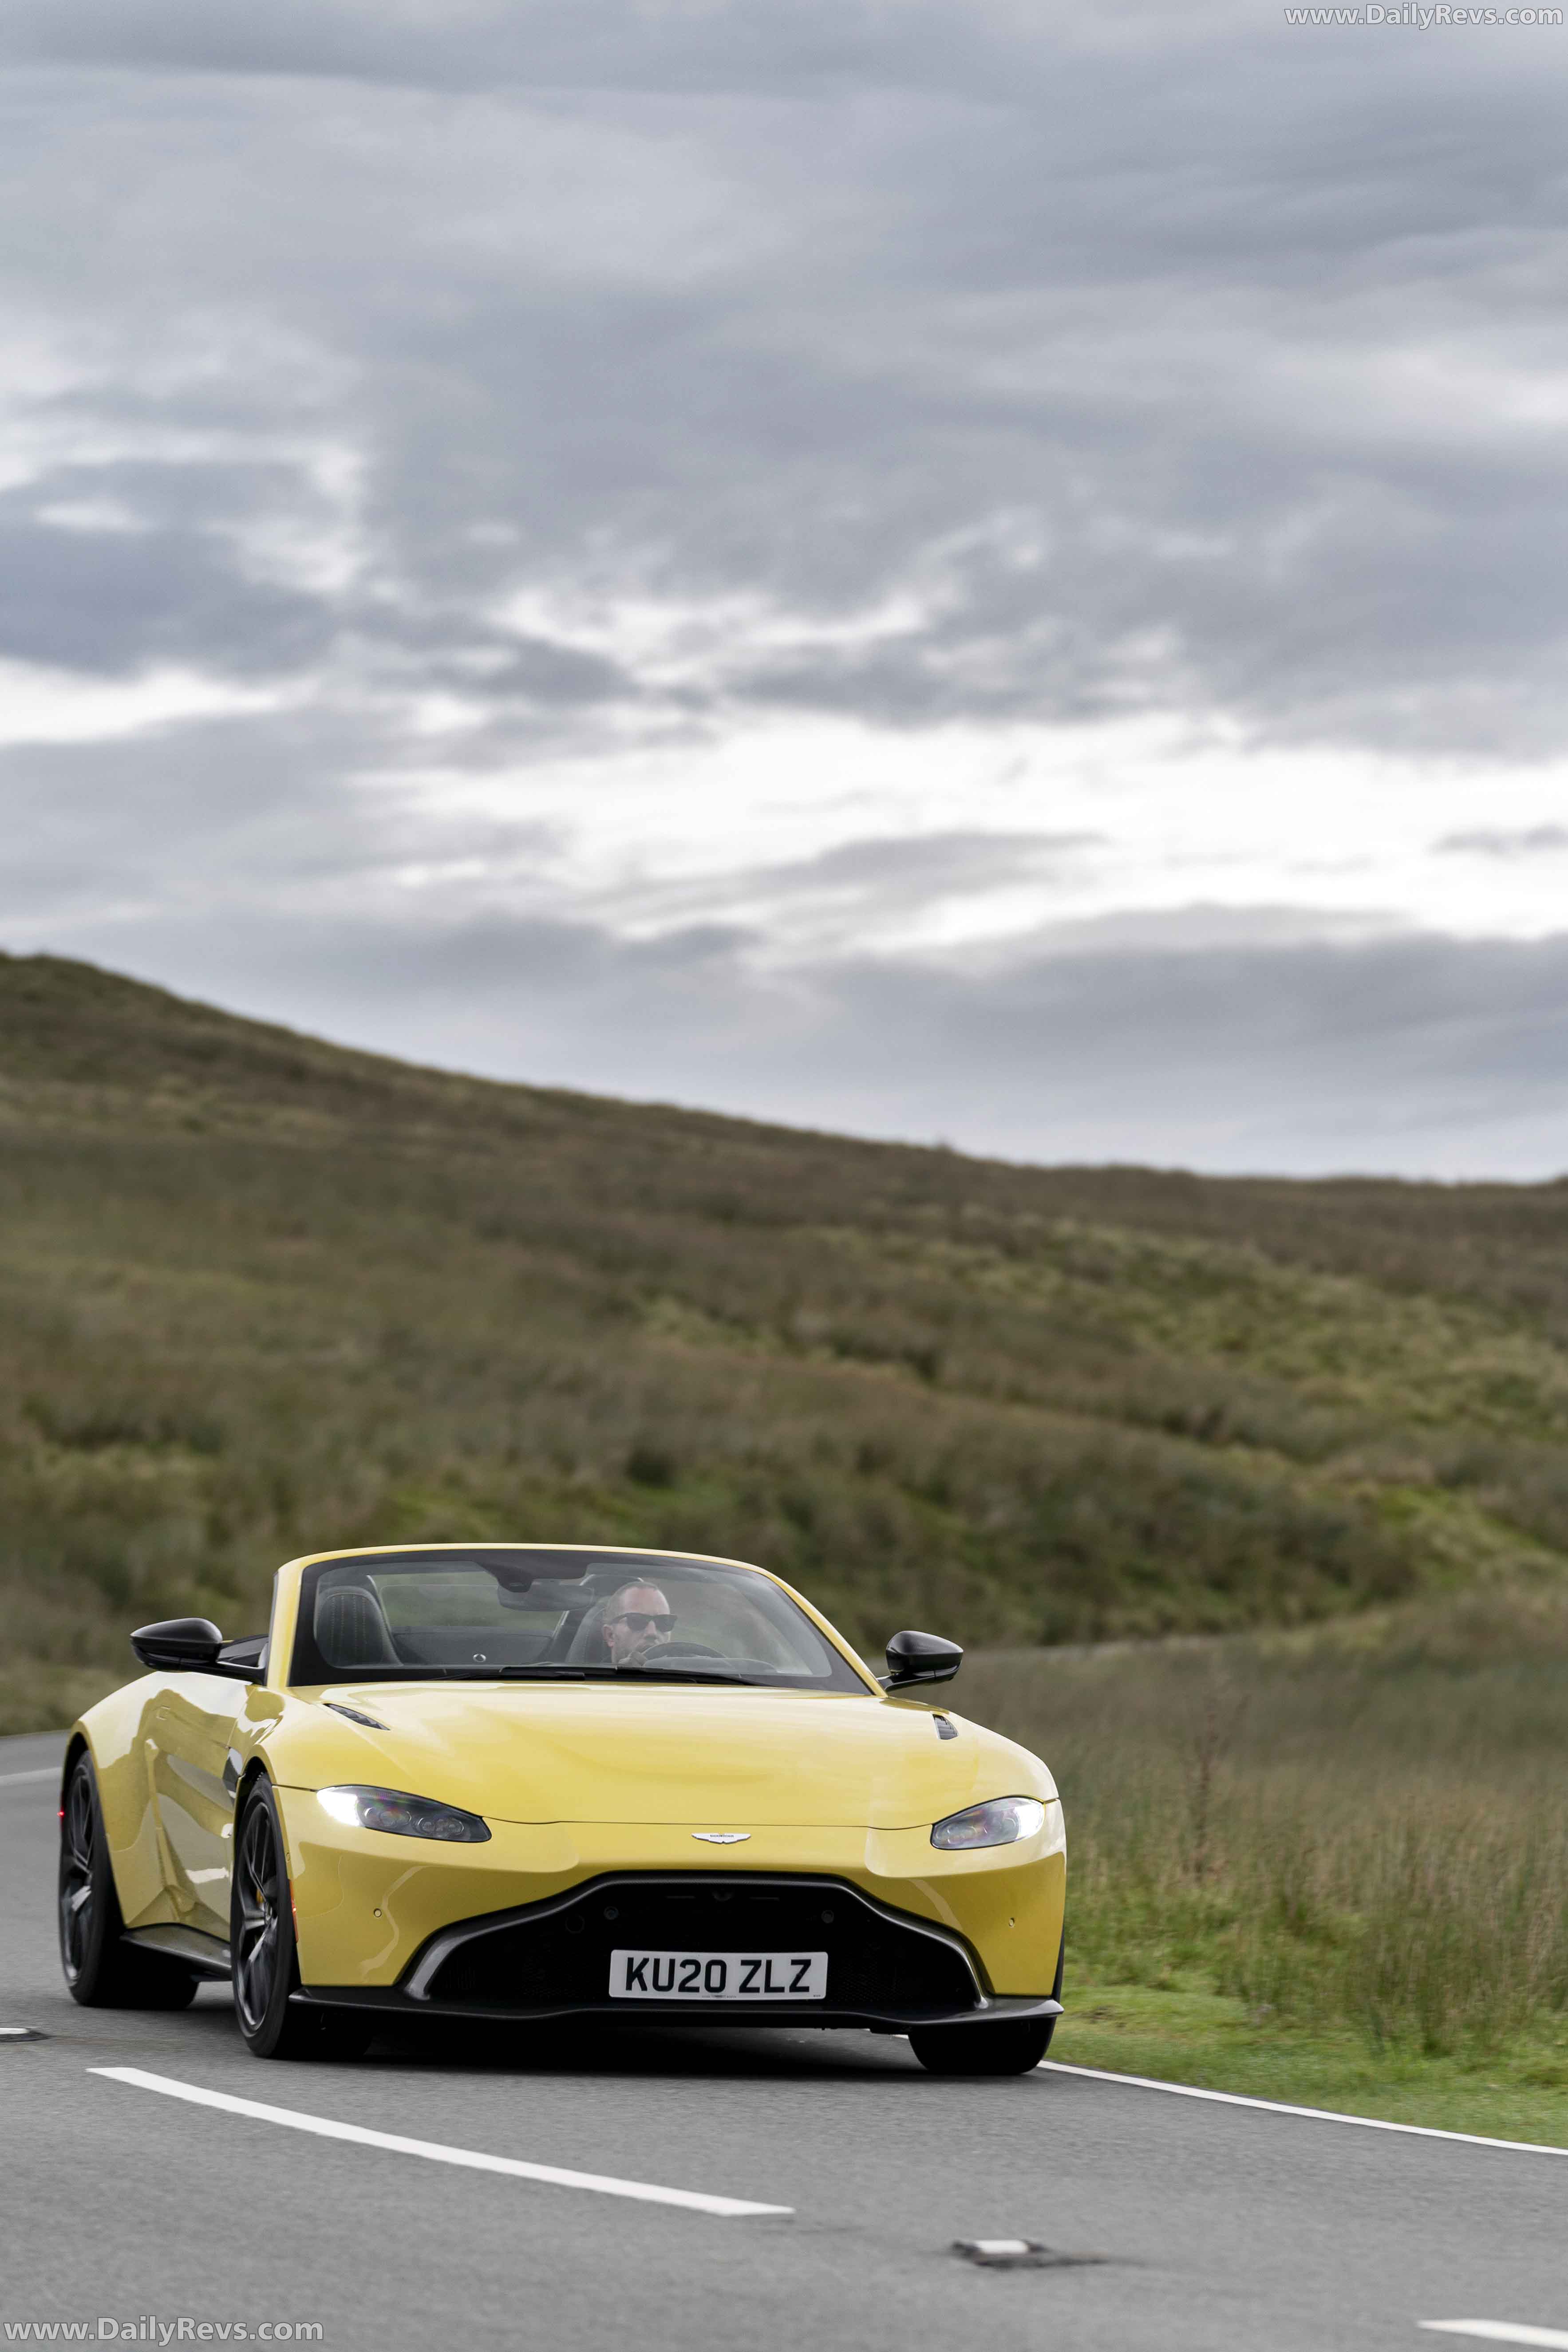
{"x":187,"y":1743}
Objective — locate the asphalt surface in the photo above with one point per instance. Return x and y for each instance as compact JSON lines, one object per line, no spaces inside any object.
{"x":1214,"y":2227}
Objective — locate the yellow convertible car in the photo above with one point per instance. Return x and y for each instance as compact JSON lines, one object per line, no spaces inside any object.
{"x":517,"y":1782}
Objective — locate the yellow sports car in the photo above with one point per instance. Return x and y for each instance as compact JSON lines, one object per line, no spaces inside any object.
{"x":516,"y":1782}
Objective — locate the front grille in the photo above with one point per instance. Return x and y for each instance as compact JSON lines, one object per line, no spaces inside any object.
{"x":559,"y":1956}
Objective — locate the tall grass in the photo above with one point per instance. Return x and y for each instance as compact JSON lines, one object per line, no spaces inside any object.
{"x":1376,"y":1839}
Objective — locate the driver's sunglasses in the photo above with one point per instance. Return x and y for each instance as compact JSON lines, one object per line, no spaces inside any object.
{"x":641,"y":1622}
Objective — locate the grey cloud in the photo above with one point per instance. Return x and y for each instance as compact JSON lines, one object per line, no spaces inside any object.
{"x":271,"y":821}
{"x":1154,"y":377}
{"x":111,"y":601}
{"x":124,"y":829}
{"x":297,"y":814}
{"x":477,"y":44}
{"x":1201,"y":928}
{"x":919,"y":861}
{"x":882,"y":874}
{"x":1418,"y":1055}
{"x":537,"y":669}
{"x":1525,"y":841}
{"x":937,"y":364}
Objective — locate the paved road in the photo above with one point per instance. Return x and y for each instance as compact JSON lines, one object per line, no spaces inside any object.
{"x":1221,"y":2228}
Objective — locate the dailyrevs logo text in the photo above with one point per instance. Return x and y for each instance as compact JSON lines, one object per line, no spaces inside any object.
{"x":149,"y":2330}
{"x":1420,"y":18}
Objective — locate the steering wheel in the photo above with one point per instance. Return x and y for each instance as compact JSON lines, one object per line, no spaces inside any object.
{"x":684,"y":1650}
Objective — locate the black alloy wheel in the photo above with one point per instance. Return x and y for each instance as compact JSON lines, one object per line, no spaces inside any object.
{"x":102,"y":1969}
{"x":79,"y":1845}
{"x":263,"y":1952}
{"x":255,"y":1930}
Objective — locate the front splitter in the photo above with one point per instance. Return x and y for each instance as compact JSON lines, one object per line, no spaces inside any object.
{"x":391,"y":2003}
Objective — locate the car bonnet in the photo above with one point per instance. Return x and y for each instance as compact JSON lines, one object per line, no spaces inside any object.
{"x":637,"y":1753}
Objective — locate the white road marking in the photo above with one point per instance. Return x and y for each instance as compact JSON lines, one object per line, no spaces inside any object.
{"x":1317,"y":2114}
{"x":1499,"y":2331}
{"x":326,"y":2127}
{"x":14,"y":2032}
{"x":49,"y":1772}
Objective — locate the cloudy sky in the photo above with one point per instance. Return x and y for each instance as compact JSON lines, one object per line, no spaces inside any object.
{"x":861,"y":561}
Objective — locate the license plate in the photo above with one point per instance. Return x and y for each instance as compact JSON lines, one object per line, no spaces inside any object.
{"x":718,"y":1975}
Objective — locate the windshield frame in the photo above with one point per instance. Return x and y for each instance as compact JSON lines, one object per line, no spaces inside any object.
{"x":561,"y":1564}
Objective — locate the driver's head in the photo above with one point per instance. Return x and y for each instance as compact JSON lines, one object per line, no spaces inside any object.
{"x":636,"y":1620}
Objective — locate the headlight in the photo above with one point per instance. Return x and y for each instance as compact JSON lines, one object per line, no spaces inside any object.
{"x":1003,"y":1821}
{"x":390,"y":1810}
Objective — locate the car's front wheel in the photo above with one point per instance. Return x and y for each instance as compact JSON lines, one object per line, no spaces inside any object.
{"x":102,"y":1969}
{"x":999,"y":2046}
{"x":262,"y":1947}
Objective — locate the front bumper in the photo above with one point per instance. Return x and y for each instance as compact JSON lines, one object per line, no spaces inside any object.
{"x":367,"y":1905}
{"x":550,"y":1959}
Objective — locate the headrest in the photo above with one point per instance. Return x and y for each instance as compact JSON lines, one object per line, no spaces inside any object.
{"x":589,"y":1647}
{"x":351,"y":1630}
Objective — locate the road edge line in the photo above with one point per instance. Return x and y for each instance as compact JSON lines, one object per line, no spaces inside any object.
{"x":1315,"y":2114}
{"x":1496,"y":2331}
{"x":472,"y":2160}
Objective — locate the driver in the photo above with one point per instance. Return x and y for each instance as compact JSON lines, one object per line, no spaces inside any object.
{"x":636,"y":1623}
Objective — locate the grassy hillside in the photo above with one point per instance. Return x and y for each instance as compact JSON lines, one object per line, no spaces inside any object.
{"x":259,"y":1294}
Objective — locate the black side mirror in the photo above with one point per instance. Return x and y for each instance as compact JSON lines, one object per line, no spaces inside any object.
{"x":920,"y":1658}
{"x":193,"y":1645}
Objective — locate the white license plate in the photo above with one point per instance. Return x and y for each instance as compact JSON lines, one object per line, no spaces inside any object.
{"x":718,"y":1975}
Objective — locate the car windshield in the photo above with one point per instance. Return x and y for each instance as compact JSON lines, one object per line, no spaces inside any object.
{"x":504,"y":1611}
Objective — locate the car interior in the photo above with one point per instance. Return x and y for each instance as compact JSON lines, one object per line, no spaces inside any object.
{"x":377,"y":1616}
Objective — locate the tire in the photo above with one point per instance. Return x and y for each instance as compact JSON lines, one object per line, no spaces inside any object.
{"x":102,"y":1969}
{"x":265,"y":1958}
{"x":1006,"y":2046}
